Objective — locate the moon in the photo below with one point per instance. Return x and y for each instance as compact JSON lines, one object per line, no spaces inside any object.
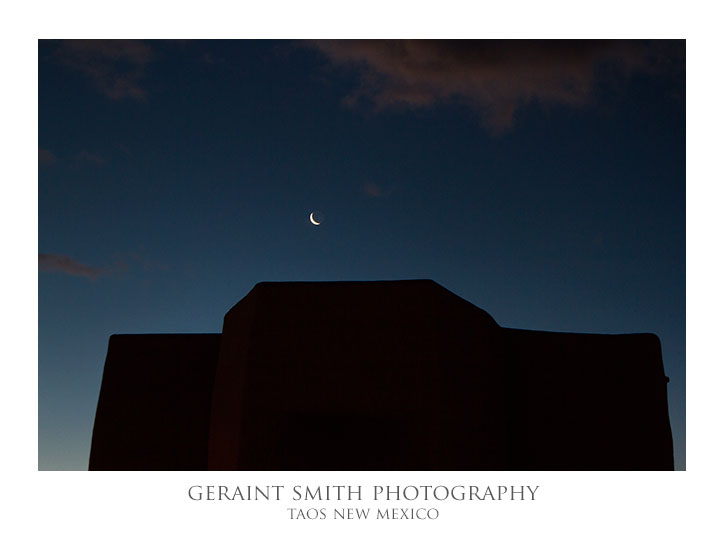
{"x":312,"y":219}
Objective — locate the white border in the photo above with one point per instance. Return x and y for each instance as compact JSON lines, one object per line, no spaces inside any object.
{"x":568,"y":502}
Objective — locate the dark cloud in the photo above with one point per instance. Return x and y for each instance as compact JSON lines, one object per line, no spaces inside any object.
{"x":123,"y":262}
{"x":371,"y":189}
{"x":495,"y":77}
{"x":64,"y":264}
{"x":45,"y":157}
{"x":376,"y":190}
{"x":116,"y":67}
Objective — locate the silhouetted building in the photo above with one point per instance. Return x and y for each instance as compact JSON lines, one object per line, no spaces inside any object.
{"x":390,"y":375}
{"x":155,"y":400}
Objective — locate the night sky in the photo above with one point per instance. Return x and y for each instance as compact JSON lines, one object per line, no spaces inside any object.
{"x":542,"y":181}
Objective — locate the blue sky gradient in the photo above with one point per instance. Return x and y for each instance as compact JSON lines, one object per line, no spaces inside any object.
{"x":181,"y":174}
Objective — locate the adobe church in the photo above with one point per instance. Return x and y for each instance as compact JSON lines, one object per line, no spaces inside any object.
{"x":383,"y":375}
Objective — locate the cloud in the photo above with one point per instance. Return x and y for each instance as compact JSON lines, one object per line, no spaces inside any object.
{"x":64,"y":264}
{"x":122,"y":263}
{"x":494,"y":77}
{"x":372,"y":189}
{"x":375,"y":190}
{"x":115,"y":67}
{"x":45,"y":157}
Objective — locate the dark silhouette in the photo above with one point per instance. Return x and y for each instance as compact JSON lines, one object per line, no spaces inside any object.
{"x":153,"y":409}
{"x":392,"y":375}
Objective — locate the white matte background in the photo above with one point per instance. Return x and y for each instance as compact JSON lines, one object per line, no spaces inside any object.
{"x":157,"y":502}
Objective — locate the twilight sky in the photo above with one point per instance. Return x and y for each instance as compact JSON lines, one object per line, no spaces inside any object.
{"x":542,"y":181}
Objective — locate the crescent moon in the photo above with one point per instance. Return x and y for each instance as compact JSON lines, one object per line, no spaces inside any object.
{"x":312,"y":219}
